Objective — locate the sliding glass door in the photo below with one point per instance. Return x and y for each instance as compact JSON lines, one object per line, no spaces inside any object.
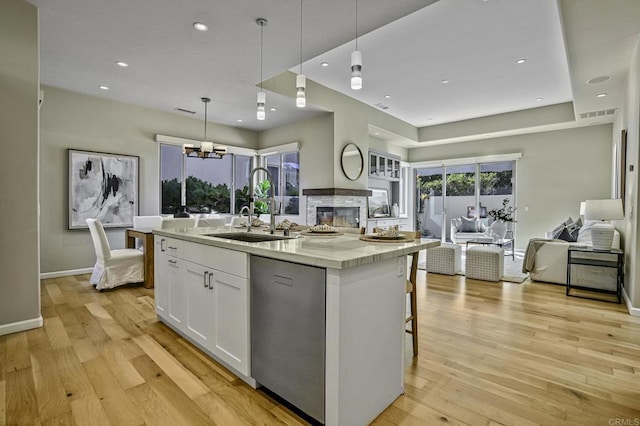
{"x":468,"y":190}
{"x":430,"y":202}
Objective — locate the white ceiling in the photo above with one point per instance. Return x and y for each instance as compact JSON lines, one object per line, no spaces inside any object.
{"x":409,"y":47}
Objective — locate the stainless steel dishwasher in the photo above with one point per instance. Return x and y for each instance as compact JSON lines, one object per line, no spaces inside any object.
{"x":288,"y":332}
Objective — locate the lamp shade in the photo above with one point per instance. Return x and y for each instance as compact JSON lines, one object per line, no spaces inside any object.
{"x":582,"y":207}
{"x":610,"y":209}
{"x":206,"y":146}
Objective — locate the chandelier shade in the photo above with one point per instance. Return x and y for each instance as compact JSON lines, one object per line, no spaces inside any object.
{"x":206,"y":149}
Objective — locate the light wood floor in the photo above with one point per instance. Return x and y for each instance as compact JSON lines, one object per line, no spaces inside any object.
{"x":513,"y":354}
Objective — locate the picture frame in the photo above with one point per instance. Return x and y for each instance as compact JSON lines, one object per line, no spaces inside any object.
{"x":102,"y":186}
{"x":378,"y":203}
{"x":622,"y":168}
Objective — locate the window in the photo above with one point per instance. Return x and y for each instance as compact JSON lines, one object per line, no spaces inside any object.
{"x":204,"y":186}
{"x":285,"y":170}
{"x":170,"y":178}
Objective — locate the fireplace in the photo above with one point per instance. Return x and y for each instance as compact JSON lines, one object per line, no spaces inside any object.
{"x":337,"y":207}
{"x":344,"y":217}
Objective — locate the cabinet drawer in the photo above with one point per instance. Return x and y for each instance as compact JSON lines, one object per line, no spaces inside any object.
{"x":225,"y":260}
{"x":169,"y":246}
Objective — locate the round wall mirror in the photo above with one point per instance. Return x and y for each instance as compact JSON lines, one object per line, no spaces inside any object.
{"x":352,"y":161}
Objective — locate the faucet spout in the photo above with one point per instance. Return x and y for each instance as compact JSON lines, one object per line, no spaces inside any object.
{"x":272,"y":199}
{"x":248,"y":216}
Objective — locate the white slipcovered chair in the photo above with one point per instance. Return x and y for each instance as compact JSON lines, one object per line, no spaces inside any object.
{"x":178,"y":222}
{"x":214,"y":222}
{"x":142,"y":222}
{"x":153,"y":222}
{"x":113,"y":267}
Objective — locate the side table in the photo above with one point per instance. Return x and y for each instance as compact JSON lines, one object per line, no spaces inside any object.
{"x":613,"y":258}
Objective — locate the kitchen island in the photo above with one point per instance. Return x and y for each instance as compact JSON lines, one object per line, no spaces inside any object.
{"x":204,"y":288}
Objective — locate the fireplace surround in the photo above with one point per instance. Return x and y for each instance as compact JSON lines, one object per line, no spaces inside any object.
{"x":343,"y":207}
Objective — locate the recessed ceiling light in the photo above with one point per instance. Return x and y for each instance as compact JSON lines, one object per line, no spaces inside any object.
{"x":597,"y":80}
{"x":325,"y":64}
{"x":521,"y":61}
{"x":104,"y":87}
{"x":387,"y":96}
{"x":273,"y":109}
{"x":538,"y":99}
{"x":200,"y":26}
{"x":445,"y":81}
{"x":429,"y":119}
{"x":122,"y":64}
{"x":376,"y":134}
{"x":601,"y":95}
{"x":239,"y":120}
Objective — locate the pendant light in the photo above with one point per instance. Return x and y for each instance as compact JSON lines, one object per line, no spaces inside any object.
{"x":262,"y":97}
{"x":301,"y":80}
{"x":356,"y":61}
{"x":206,"y":148}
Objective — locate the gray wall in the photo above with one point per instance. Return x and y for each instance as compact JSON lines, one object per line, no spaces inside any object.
{"x":73,"y":120}
{"x":19,"y":87}
{"x":629,"y":119}
{"x":558,"y":170}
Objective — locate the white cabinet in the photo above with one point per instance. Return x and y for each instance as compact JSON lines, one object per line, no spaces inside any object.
{"x":199,"y":292}
{"x":231,"y":320}
{"x":160,"y":269}
{"x":403,"y":224}
{"x":202,"y":291}
{"x":170,"y":297}
{"x":384,"y":166}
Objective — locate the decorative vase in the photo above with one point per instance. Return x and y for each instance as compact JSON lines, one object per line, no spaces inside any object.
{"x":499,"y":229}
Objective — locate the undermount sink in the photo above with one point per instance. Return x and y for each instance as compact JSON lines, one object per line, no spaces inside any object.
{"x":248,"y":237}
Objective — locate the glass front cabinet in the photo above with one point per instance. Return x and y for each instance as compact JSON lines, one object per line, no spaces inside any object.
{"x":384,"y":166}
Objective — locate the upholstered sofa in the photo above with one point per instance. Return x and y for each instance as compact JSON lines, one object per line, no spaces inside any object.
{"x":550,"y":262}
{"x":464,"y":229}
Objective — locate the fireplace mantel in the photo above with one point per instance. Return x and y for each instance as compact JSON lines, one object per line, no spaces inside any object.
{"x":337,"y":191}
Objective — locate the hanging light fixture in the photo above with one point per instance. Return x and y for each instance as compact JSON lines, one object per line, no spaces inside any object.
{"x":356,"y":61}
{"x":262,"y":97}
{"x":301,"y":80}
{"x":206,"y":148}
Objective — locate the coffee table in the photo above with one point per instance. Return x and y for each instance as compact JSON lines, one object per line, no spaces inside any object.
{"x":506,"y":243}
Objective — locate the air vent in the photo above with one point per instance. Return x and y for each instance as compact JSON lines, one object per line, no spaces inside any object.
{"x":381,"y":105}
{"x":600,"y":113}
{"x":186,"y":111}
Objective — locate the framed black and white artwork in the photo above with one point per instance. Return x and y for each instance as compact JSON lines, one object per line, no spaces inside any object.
{"x":102,"y":186}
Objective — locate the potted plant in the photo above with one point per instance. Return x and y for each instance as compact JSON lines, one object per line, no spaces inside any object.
{"x":501,"y":217}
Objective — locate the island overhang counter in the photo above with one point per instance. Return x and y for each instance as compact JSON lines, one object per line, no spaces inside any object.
{"x":364,"y":308}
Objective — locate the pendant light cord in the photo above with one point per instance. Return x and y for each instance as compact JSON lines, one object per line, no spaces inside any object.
{"x":261,"y":47}
{"x":356,"y":24}
{"x":205,"y":120}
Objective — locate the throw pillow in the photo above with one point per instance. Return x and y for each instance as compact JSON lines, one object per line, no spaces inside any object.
{"x":566,"y":235}
{"x":557,"y":231}
{"x":469,"y":225}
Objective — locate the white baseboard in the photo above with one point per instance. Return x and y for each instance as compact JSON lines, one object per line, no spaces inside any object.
{"x":45,"y":275}
{"x":634,"y":312}
{"x":15,"y":327}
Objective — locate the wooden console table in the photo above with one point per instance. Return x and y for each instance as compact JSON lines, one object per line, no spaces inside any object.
{"x":146,"y":235}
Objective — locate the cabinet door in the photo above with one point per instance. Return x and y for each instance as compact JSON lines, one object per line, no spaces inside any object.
{"x":161,"y":285}
{"x":177,"y":294}
{"x":231,"y":312}
{"x":199,"y":286}
{"x":373,"y":165}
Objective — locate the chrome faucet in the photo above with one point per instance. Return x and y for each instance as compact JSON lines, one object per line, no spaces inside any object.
{"x":248,"y":212}
{"x":272,"y":200}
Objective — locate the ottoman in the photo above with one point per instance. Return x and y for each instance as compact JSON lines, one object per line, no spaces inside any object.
{"x":444,"y":259}
{"x":485,"y":263}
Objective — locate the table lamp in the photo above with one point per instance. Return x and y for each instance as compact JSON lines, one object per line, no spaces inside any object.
{"x":603,"y":210}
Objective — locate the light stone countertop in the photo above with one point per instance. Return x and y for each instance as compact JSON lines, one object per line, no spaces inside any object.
{"x":336,"y":252}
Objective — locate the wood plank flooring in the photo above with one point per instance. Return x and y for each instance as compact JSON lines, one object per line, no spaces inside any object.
{"x":512,"y":354}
